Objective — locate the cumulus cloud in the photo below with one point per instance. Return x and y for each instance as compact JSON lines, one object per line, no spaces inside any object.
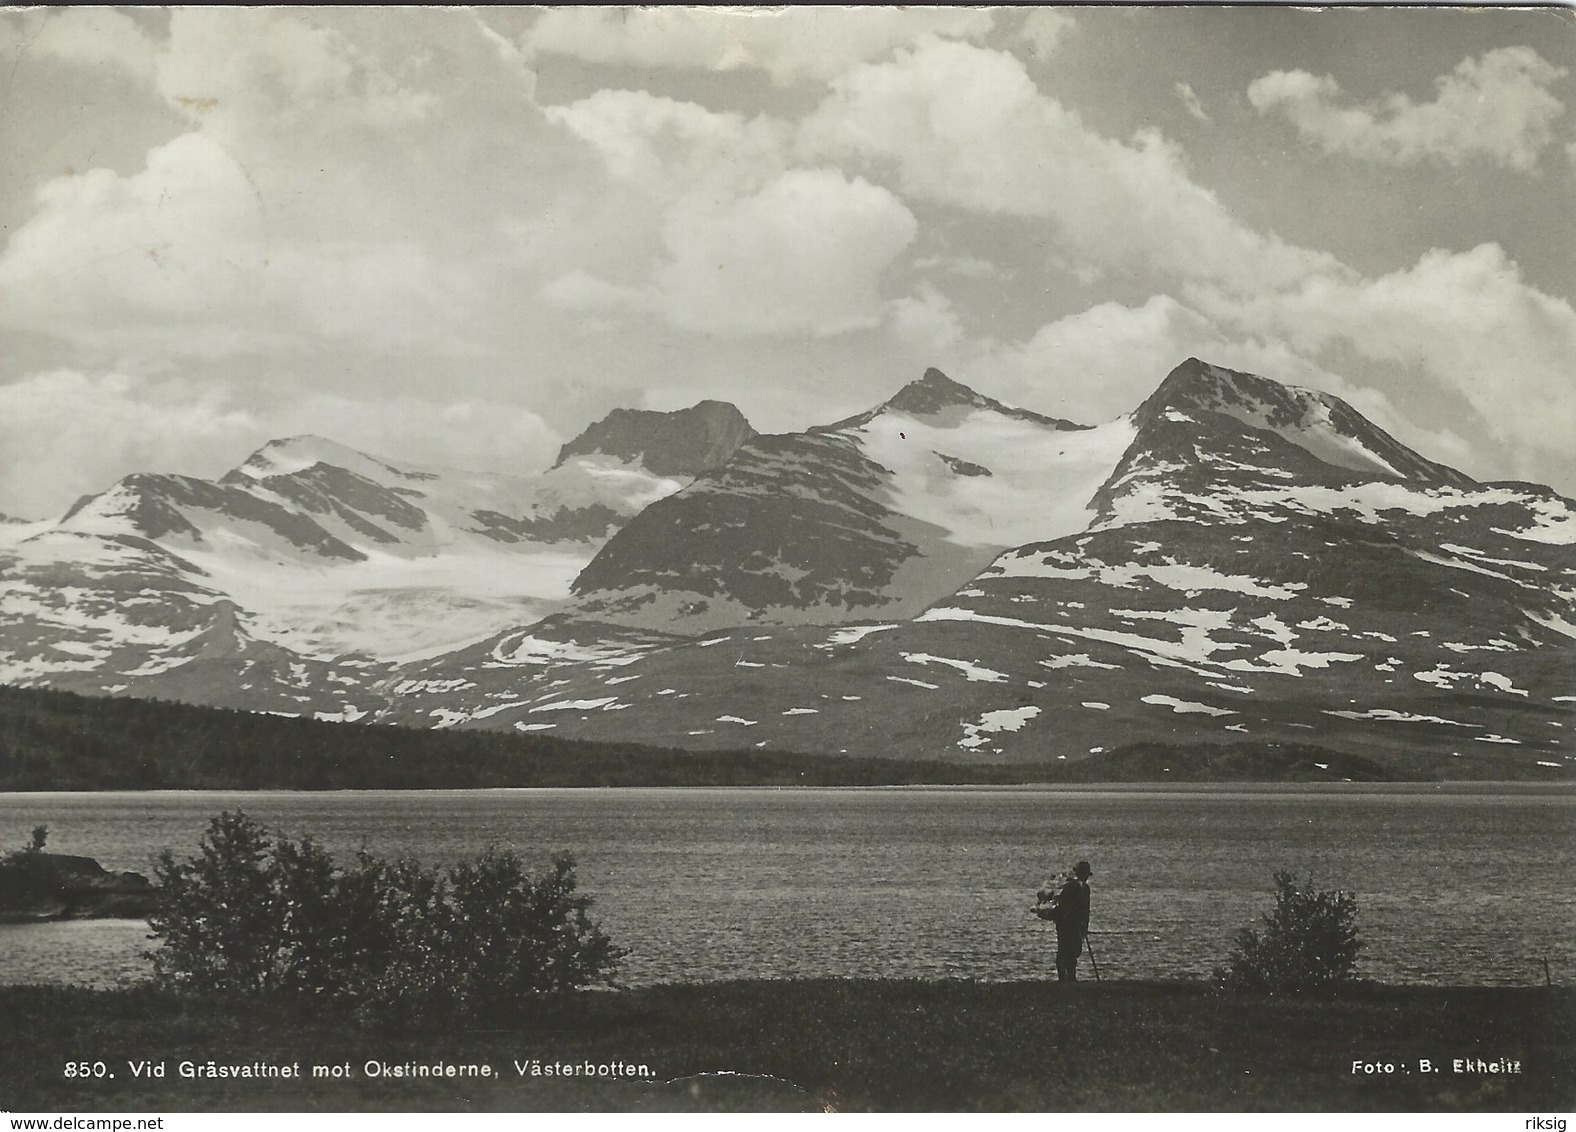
{"x":185,"y":257}
{"x":170,"y":248}
{"x":967,"y":127}
{"x":67,"y":433}
{"x":1496,"y":107}
{"x":1044,"y":29}
{"x":926,"y":323}
{"x":97,"y":37}
{"x":1101,"y":362}
{"x":804,"y":253}
{"x":657,"y":155}
{"x":789,"y":44}
{"x":237,"y":69}
{"x":351,"y":196}
{"x":662,"y":142}
{"x":313,"y":200}
{"x":951,"y":123}
{"x":749,"y":243}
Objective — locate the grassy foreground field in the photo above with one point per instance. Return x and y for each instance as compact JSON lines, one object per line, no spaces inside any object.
{"x":824,"y":1044}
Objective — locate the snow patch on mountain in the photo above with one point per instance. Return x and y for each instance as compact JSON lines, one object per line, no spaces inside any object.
{"x":1389,"y":715}
{"x":523,"y":648}
{"x":576,"y":705}
{"x":1192,"y":650}
{"x":1038,"y":483}
{"x":992,"y":722}
{"x":969,"y":668}
{"x":1157,"y":499}
{"x":1185,"y":707}
{"x":853,"y":633}
{"x":1315,"y":431}
{"x":1170,"y":573}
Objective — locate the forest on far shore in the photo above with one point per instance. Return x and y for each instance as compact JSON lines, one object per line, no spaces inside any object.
{"x":53,"y":740}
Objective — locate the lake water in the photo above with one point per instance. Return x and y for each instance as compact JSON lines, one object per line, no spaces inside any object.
{"x":1454,"y":885}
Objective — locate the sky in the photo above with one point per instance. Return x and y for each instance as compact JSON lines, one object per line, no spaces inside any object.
{"x":457,"y":237}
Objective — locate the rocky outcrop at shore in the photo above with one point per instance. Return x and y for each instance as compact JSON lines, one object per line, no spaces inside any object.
{"x":55,"y":886}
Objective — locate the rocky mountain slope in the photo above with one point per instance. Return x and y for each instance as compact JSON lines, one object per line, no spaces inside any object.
{"x":1236,"y":562}
{"x":875,"y":516}
{"x":312,"y":568}
{"x":1259,"y":565}
{"x":666,"y":444}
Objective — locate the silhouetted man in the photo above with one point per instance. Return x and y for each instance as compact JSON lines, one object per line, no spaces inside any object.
{"x":1070,"y":913}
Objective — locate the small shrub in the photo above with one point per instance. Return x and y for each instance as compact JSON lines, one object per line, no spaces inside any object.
{"x":255,"y":915}
{"x":27,"y":884}
{"x":1310,"y":940}
{"x":518,"y":934}
{"x":221,"y":917}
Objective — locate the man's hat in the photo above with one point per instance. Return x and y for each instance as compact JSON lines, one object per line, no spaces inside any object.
{"x":1082,"y":869}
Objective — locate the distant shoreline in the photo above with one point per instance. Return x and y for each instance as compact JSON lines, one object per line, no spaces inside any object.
{"x":1223,"y":786}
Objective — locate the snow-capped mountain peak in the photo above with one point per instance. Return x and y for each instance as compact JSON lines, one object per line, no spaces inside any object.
{"x":882,"y":512}
{"x":1321,"y":424}
{"x":297,"y":453}
{"x":325,"y":551}
{"x":938,"y":399}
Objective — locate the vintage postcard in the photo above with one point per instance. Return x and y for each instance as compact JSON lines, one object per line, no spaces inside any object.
{"x":786,"y":559}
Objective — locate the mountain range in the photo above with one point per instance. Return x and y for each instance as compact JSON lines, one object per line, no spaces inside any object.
{"x":1235,"y":562}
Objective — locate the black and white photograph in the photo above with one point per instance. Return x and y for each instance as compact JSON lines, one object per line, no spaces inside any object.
{"x":787,"y":559}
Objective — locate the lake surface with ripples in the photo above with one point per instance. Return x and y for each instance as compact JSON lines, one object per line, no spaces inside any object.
{"x":1465,"y":884}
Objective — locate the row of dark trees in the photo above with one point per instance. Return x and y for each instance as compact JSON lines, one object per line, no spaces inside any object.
{"x":53,"y":740}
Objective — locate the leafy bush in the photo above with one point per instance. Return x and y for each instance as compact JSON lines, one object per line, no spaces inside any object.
{"x":1309,"y":940}
{"x":253,"y":914}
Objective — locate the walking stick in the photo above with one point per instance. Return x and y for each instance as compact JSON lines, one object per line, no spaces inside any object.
{"x":1095,"y":963}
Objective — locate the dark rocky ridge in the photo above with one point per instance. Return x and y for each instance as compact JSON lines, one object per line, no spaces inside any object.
{"x":935,"y":393}
{"x":790,"y":521}
{"x":799,"y":527}
{"x":682,"y":443}
{"x":55,"y":886}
